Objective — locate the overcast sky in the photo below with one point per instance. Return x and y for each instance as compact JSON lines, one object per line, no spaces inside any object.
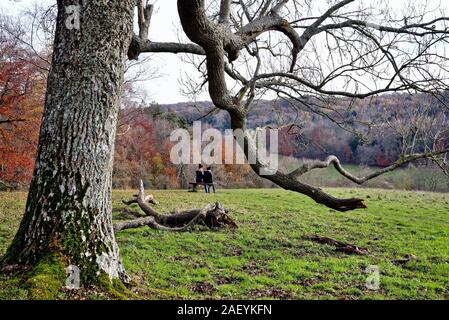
{"x":164,"y":27}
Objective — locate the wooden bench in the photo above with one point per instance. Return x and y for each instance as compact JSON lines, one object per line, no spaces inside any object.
{"x":196,"y":184}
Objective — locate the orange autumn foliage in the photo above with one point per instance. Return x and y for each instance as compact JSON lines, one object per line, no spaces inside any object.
{"x":22,"y":92}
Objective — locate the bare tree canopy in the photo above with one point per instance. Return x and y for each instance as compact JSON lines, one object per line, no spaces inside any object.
{"x":296,"y":50}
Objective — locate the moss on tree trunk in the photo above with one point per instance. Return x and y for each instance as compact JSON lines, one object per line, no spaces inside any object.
{"x":68,"y":211}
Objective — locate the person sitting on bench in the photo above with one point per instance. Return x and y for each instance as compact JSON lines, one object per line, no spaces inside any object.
{"x":208,"y":179}
{"x":200,"y":174}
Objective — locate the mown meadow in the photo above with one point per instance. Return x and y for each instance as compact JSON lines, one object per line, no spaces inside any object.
{"x":268,"y":257}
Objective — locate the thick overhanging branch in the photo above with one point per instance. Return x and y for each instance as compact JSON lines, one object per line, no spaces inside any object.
{"x":166,"y":47}
{"x":140,"y":42}
{"x":201,"y":31}
{"x":333,"y":160}
{"x":288,"y":182}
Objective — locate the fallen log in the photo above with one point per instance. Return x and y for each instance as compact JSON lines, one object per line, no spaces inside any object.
{"x":212,"y":216}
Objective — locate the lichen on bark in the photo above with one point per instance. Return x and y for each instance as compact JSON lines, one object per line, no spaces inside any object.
{"x":69,"y":212}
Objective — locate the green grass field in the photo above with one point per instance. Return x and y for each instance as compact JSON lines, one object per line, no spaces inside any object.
{"x":267,"y":258}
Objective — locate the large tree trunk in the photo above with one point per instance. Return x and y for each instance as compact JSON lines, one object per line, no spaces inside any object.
{"x":68,"y":211}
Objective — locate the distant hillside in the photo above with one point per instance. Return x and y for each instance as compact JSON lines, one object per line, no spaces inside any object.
{"x":264,"y":112}
{"x":377,"y":122}
{"x":270,"y":112}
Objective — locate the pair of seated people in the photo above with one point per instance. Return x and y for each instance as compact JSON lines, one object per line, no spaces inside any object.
{"x":204,"y":177}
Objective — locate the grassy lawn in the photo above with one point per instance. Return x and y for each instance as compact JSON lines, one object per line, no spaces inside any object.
{"x":266,"y":256}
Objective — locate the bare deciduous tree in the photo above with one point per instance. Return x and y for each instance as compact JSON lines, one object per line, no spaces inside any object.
{"x":297,"y":51}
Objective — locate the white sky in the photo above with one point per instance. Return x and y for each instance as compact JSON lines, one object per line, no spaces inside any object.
{"x":164,"y":89}
{"x":164,"y":26}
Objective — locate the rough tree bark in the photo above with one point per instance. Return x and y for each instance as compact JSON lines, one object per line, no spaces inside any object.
{"x":68,"y":211}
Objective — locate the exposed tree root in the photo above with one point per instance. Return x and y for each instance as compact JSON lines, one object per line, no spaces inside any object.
{"x":339,"y":245}
{"x":212,"y":216}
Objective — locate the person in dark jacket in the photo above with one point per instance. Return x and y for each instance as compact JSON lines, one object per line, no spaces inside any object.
{"x":208,"y":179}
{"x":199,"y":174}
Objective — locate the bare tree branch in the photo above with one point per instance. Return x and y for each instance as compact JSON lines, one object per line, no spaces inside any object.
{"x":394,"y":56}
{"x":333,"y":160}
{"x":225,"y":11}
{"x":144,"y":14}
